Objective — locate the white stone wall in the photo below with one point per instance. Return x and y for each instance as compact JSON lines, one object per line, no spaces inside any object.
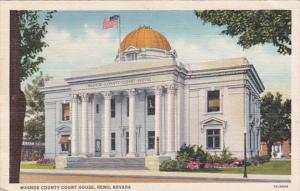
{"x":231,"y":112}
{"x":54,"y":126}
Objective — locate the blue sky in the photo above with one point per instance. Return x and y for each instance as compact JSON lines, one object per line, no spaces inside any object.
{"x":76,"y":41}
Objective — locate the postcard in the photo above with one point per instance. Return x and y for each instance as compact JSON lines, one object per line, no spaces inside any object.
{"x":160,"y":95}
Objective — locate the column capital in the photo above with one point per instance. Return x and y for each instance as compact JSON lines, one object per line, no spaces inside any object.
{"x":107,"y":94}
{"x":85,"y":97}
{"x":158,"y":90}
{"x":172,"y":88}
{"x":74,"y":98}
{"x":132,"y":92}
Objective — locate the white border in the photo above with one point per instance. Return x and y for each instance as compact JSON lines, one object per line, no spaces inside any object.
{"x":152,"y":5}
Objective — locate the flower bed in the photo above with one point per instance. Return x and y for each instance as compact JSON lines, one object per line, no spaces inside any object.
{"x":194,"y":158}
{"x":45,"y":162}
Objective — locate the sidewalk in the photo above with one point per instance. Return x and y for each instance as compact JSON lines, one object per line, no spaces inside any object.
{"x":157,"y":174}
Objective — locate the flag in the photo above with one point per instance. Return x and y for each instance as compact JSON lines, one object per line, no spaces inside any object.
{"x":111,"y":22}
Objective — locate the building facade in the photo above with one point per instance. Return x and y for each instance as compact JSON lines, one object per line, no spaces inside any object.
{"x":148,"y":103}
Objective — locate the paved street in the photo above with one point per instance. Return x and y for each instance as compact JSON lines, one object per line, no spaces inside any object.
{"x":46,"y":178}
{"x":134,"y":176}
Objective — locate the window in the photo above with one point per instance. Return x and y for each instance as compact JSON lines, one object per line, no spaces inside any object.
{"x":113,"y":108}
{"x":250,"y":112}
{"x":213,"y":101}
{"x":127,"y":106}
{"x":65,"y":111}
{"x":113,"y":141}
{"x":151,"y":139}
{"x":98,"y":145}
{"x":64,"y":143}
{"x":151,"y":105}
{"x":132,"y":56}
{"x":213,"y":138}
{"x":97,"y":108}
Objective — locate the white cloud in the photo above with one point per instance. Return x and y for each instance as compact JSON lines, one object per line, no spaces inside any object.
{"x":66,"y":53}
{"x":273,"y":68}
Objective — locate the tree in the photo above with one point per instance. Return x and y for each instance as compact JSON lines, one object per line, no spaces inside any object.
{"x":35,"y":110}
{"x":253,"y":27}
{"x":275,"y":119}
{"x":27,"y":31}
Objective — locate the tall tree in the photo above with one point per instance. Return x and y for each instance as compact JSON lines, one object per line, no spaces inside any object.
{"x":35,"y":110}
{"x":253,"y":27}
{"x":27,"y":31}
{"x":275,"y":119}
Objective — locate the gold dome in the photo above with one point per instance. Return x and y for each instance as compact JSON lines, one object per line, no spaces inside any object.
{"x":145,"y":37}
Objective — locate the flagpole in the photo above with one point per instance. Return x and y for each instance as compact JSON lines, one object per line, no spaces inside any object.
{"x":119,"y":26}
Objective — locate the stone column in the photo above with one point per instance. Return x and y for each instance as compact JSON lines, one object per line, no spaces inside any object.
{"x":106,"y":129}
{"x":91,"y":128}
{"x":84,"y":124}
{"x":74,"y":135}
{"x":132,"y":133}
{"x":158,"y":118}
{"x":171,"y":121}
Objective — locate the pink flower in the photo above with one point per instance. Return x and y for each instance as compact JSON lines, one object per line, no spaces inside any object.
{"x":193,"y":165}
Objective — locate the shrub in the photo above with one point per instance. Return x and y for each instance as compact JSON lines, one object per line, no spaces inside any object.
{"x":226,"y":156}
{"x":183,"y":159}
{"x":213,"y":158}
{"x":169,"y":165}
{"x":189,"y":153}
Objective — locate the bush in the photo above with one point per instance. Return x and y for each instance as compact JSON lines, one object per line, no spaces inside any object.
{"x":190,"y":153}
{"x":226,"y":156}
{"x":169,"y":165}
{"x":183,"y":159}
{"x":213,"y":158}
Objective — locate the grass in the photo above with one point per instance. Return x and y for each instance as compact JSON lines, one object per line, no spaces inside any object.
{"x":33,"y":165}
{"x":272,"y":168}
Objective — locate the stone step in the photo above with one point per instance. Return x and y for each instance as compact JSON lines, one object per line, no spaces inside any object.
{"x":106,"y":163}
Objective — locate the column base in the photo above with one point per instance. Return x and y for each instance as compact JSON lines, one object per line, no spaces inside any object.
{"x":131,"y":155}
{"x":105,"y":155}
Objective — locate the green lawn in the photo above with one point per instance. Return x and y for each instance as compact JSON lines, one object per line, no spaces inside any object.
{"x":272,"y":167}
{"x":33,"y":165}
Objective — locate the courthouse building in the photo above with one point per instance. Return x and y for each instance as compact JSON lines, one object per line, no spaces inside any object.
{"x":148,"y":103}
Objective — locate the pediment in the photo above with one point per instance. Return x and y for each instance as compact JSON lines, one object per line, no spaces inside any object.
{"x":213,"y":121}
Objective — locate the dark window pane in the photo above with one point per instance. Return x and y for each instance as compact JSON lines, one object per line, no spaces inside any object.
{"x":209,"y":142}
{"x":151,"y":139}
{"x":113,"y":141}
{"x":217,"y":142}
{"x":151,"y":105}
{"x":217,"y":131}
{"x":210,"y":131}
{"x":213,"y":101}
{"x":65,"y":111}
{"x":97,"y":108}
{"x":113,"y":108}
{"x":127,"y":106}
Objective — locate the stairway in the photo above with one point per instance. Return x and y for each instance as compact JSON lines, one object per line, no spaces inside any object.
{"x":106,"y":163}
